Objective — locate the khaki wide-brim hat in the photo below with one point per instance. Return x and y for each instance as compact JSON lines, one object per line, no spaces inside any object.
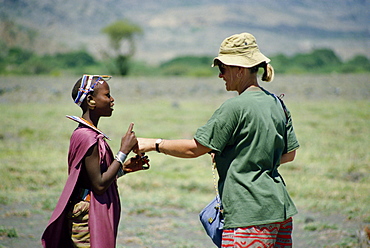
{"x":240,"y":50}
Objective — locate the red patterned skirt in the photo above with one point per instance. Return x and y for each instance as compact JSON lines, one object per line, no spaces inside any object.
{"x":274,"y":235}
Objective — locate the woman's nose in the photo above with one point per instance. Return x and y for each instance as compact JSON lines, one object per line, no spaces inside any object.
{"x":220,"y":75}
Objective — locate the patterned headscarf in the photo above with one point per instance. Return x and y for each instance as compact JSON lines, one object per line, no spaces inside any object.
{"x":87,"y":86}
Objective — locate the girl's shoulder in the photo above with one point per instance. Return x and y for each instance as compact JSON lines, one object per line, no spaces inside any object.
{"x":84,"y":134}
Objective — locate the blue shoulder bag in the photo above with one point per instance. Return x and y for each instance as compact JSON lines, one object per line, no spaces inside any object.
{"x":211,"y":216}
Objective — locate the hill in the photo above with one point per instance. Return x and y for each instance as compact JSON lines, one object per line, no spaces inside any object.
{"x":173,"y":28}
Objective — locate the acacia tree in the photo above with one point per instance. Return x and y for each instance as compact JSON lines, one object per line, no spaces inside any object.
{"x":121,"y":37}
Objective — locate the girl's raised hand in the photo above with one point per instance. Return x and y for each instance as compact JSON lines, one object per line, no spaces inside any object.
{"x":129,"y":140}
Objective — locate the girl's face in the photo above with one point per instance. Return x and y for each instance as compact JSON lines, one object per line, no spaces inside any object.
{"x":104,"y":102}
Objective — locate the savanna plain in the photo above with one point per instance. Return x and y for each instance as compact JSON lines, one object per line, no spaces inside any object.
{"x":329,"y":180}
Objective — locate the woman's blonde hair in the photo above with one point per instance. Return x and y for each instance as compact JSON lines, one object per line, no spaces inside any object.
{"x":268,"y":74}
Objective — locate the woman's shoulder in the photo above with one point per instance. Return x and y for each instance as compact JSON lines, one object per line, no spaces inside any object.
{"x":238,"y":101}
{"x":232,"y":102}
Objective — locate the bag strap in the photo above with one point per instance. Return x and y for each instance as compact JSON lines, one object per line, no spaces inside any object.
{"x":280,"y":98}
{"x":214,"y":179}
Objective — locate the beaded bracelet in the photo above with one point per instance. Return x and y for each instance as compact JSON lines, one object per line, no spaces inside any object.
{"x":120,"y":172}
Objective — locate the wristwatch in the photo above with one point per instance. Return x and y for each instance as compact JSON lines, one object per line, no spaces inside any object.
{"x":157,"y":142}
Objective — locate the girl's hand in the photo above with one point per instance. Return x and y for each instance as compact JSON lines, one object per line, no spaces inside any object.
{"x":128,"y":141}
{"x":136,"y":163}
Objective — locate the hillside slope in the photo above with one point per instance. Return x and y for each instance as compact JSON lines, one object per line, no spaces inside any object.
{"x":173,"y":28}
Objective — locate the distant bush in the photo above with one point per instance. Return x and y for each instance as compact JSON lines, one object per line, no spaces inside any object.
{"x":20,"y":61}
{"x":74,"y":59}
{"x":35,"y":65}
{"x":2,"y":64}
{"x":17,"y":55}
{"x":9,"y":232}
{"x":199,"y":66}
{"x":359,"y":63}
{"x":319,"y":61}
{"x":17,"y":60}
{"x":140,"y":68}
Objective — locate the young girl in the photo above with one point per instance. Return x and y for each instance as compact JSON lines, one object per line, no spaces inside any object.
{"x":88,"y":211}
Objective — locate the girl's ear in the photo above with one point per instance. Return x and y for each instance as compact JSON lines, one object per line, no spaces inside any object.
{"x":90,"y":102}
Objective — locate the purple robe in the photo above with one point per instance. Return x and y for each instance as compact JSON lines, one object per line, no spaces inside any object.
{"x":105,"y":209}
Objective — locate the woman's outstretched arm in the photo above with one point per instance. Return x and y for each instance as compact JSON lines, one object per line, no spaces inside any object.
{"x":181,"y":148}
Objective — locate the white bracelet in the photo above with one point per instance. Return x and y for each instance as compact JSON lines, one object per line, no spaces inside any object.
{"x":120,"y":157}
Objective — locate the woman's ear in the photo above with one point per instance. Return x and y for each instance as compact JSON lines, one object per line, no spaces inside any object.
{"x":240,"y":72}
{"x":243,"y":70}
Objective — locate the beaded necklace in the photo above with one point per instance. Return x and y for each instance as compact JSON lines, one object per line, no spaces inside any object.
{"x":86,"y":123}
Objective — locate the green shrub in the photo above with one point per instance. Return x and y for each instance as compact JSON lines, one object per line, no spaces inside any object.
{"x":9,"y":232}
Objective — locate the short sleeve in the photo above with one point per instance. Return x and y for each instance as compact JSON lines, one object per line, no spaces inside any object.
{"x":291,"y":139}
{"x":217,"y":132}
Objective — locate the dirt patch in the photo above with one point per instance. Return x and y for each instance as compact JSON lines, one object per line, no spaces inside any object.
{"x":178,"y":228}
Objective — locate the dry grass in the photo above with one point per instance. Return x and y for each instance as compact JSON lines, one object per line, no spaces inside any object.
{"x":330,"y":174}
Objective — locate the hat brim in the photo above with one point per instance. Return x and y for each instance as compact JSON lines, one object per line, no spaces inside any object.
{"x":241,"y":61}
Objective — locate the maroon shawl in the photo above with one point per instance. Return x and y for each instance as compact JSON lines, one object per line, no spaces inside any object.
{"x":104,"y":213}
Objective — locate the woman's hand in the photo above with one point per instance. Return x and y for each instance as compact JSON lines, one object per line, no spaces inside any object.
{"x":128,"y":141}
{"x":145,"y":145}
{"x":136,"y":163}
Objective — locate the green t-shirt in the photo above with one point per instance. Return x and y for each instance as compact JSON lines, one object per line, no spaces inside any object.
{"x":249,"y":133}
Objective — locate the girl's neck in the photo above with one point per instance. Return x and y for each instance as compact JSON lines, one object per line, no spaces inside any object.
{"x":87,"y":116}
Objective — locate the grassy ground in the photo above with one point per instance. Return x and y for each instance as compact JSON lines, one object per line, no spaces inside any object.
{"x":329,"y":180}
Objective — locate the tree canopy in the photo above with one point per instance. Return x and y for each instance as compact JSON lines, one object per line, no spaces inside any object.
{"x":118,"y":32}
{"x":121,"y":30}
